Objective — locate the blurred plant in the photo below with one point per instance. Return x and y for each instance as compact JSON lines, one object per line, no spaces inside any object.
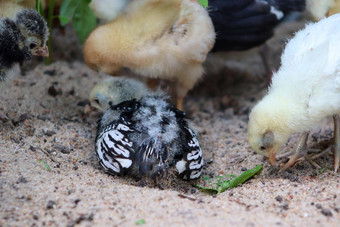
{"x":83,"y":18}
{"x":204,"y":3}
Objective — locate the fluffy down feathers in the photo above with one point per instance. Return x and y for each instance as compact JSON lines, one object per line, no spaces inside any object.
{"x":305,"y":90}
{"x":146,"y":137}
{"x":155,"y":39}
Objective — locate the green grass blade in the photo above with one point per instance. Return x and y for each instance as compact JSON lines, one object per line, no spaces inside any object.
{"x":240,"y":179}
{"x":38,"y":7}
{"x":44,"y":164}
{"x":140,"y":222}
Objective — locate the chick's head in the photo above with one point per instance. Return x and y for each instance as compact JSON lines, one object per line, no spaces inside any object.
{"x":34,"y":28}
{"x":115,"y":90}
{"x":267,"y":131}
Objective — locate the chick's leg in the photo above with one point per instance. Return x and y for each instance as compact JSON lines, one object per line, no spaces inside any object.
{"x":336,"y":119}
{"x":300,"y":150}
{"x":185,"y":81}
{"x":180,"y":93}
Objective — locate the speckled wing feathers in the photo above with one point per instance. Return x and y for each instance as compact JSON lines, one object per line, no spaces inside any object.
{"x":114,"y":149}
{"x":191,"y":165}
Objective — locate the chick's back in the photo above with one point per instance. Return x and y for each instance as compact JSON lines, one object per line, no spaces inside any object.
{"x":150,"y":33}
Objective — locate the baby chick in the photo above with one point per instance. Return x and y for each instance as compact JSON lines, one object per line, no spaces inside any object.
{"x":143,"y":134}
{"x":156,"y":39}
{"x":317,"y":9}
{"x":303,"y":92}
{"x":113,"y":90}
{"x":21,"y":38}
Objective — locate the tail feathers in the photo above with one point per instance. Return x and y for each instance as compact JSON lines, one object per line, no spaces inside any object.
{"x":288,"y":5}
{"x":152,"y":157}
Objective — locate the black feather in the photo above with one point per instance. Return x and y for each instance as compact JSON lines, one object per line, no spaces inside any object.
{"x":243,"y":24}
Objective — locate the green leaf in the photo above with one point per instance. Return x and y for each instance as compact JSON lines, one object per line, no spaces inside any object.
{"x":204,"y":3}
{"x":140,"y":222}
{"x":84,"y":20}
{"x":206,"y":189}
{"x":222,"y":184}
{"x":240,"y":179}
{"x":67,"y":9}
{"x":44,"y":164}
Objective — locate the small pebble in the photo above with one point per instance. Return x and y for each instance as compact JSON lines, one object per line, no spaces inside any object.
{"x":244,"y":169}
{"x":278,"y":198}
{"x":326,"y":212}
{"x":50,"y":204}
{"x":50,"y":133}
{"x":318,"y":206}
{"x":285,"y":206}
{"x":50,"y":72}
{"x":52,"y":91}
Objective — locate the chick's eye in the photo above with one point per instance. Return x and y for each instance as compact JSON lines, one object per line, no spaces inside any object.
{"x":97,"y":101}
{"x":262,"y":148}
{"x":32,"y":45}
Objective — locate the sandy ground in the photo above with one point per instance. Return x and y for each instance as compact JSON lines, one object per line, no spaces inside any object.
{"x":43,"y":121}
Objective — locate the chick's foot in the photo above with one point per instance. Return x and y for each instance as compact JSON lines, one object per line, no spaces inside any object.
{"x":301,"y":150}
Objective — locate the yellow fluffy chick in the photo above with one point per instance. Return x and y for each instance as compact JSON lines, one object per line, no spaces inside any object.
{"x":318,"y":9}
{"x":156,"y":39}
{"x":305,"y":90}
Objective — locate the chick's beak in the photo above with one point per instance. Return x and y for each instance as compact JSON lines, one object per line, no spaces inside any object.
{"x":272,"y":156}
{"x":42,"y":51}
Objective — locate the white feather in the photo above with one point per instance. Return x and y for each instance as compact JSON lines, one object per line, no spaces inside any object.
{"x":108,"y":9}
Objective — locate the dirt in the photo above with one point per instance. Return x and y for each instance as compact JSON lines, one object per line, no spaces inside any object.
{"x":49,"y":174}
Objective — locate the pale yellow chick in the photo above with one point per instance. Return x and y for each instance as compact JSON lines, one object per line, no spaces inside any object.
{"x":155,"y":39}
{"x":305,"y":90}
{"x":318,"y":9}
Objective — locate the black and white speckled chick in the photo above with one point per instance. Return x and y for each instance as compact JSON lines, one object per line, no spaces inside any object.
{"x":146,"y":137}
{"x":21,"y":38}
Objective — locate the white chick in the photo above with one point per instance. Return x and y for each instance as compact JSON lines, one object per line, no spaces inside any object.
{"x":143,"y":136}
{"x":318,"y":9}
{"x":305,"y":90}
{"x":155,"y":39}
{"x":108,"y":10}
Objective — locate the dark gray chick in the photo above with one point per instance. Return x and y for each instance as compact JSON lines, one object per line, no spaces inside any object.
{"x":21,"y":38}
{"x":146,"y":137}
